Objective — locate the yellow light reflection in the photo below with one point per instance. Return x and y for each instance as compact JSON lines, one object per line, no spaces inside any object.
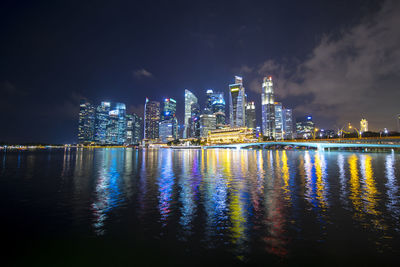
{"x":355,"y":194}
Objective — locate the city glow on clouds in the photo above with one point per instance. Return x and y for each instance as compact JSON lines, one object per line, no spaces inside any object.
{"x":142,"y":73}
{"x":349,"y":76}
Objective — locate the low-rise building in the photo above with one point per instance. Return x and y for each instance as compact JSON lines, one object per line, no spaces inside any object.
{"x":231,"y":135}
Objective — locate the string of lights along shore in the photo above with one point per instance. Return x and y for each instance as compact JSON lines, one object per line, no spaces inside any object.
{"x":109,"y":124}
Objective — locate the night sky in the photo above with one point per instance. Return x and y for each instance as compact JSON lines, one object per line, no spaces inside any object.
{"x":337,"y":60}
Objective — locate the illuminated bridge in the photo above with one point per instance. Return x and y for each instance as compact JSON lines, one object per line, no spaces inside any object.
{"x":388,"y":143}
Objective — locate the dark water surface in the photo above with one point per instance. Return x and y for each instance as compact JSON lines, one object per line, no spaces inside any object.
{"x":126,"y":207}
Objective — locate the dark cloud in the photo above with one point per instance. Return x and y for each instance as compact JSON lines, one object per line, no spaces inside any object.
{"x":352,"y":75}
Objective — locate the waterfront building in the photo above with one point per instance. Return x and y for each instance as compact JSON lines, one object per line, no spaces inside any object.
{"x":133,"y":129}
{"x":151,"y":119}
{"x":250,"y":115}
{"x":231,"y":135}
{"x":167,"y":130}
{"x":208,"y":122}
{"x":288,"y":123}
{"x":86,"y":122}
{"x":209,"y":101}
{"x":116,"y":126}
{"x":169,"y":109}
{"x":279,"y":121}
{"x":101,"y":121}
{"x":268,"y":108}
{"x":237,"y":113}
{"x":190,"y":99}
{"x":305,"y":127}
{"x":169,"y":118}
{"x":194,"y":121}
{"x":363,"y":126}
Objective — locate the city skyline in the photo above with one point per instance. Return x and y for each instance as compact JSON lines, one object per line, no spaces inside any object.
{"x":65,"y":54}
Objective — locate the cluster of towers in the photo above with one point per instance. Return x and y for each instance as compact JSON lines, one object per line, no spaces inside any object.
{"x":276,"y":120}
{"x":108,"y":123}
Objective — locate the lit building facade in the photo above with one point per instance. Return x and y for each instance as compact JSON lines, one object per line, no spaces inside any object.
{"x":208,"y":122}
{"x":86,"y":122}
{"x":116,"y":126}
{"x":237,"y":112}
{"x":288,"y":123}
{"x":279,"y":121}
{"x":305,"y":127}
{"x":251,"y":115}
{"x":363,"y":126}
{"x":194,"y":121}
{"x":268,"y":108}
{"x":101,"y":122}
{"x":167,"y":130}
{"x":218,"y":108}
{"x":190,"y":99}
{"x":151,"y":119}
{"x":231,"y":135}
{"x":133,"y":129}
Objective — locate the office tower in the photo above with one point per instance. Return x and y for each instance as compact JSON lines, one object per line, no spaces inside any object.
{"x":208,"y":122}
{"x":268,"y":108}
{"x":86,"y":122}
{"x":116,"y":126}
{"x":129,"y":129}
{"x":237,"y":113}
{"x":137,"y":130}
{"x":363,"y":126}
{"x":218,"y":108}
{"x":288,"y":123}
{"x":101,"y":121}
{"x":168,"y":130}
{"x":190,"y":99}
{"x":151,"y":119}
{"x":133,"y":129}
{"x":279,"y":124}
{"x":169,"y":117}
{"x":305,"y":127}
{"x":209,"y":101}
{"x":250,"y":115}
{"x":169,"y":109}
{"x":194,"y":121}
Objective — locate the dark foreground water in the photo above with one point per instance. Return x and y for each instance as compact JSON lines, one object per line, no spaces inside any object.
{"x":126,"y":207}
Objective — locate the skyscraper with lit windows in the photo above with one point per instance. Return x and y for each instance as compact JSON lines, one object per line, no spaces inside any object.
{"x":151,"y":119}
{"x":250,"y":115}
{"x":268,"y":108}
{"x":190,"y":99}
{"x":101,"y":121}
{"x":86,"y":122}
{"x":237,"y":102}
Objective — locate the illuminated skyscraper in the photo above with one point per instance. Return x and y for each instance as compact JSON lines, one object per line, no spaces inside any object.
{"x":151,"y":119}
{"x":208,"y":122}
{"x":86,"y":122}
{"x":101,"y":122}
{"x":268,"y":108}
{"x":169,"y":109}
{"x":190,"y":99}
{"x":363,"y":126}
{"x":288,"y":123}
{"x":305,"y":127}
{"x":194,"y":121}
{"x":133,"y":129}
{"x":209,"y":101}
{"x":250,"y":115}
{"x":279,"y":121}
{"x":116,"y":126}
{"x":169,"y":120}
{"x":237,"y":112}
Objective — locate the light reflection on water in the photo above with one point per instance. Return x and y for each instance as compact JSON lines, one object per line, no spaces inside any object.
{"x":242,"y":201}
